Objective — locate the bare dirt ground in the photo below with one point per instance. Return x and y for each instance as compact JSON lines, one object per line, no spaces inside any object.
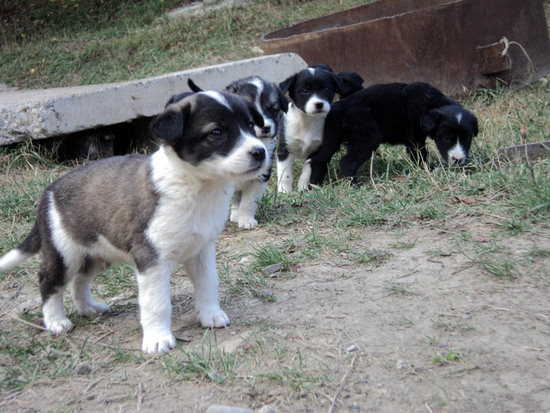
{"x":417,"y":331}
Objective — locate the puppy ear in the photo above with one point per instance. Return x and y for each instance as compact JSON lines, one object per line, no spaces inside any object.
{"x":476,"y":127}
{"x":257,"y":117}
{"x":231,"y":88}
{"x":177,"y":98}
{"x":352,"y":83}
{"x":283,"y":101}
{"x":339,"y":83}
{"x":193,"y":86}
{"x":169,"y":125}
{"x":285,"y":84}
{"x":428,"y":122}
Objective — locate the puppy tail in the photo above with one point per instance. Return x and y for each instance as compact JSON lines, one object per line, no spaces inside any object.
{"x":29,"y":247}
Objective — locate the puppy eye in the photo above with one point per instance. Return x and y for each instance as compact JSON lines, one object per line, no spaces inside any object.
{"x":326,"y":89}
{"x":251,"y":125}
{"x":304,"y":90}
{"x":216,"y":134}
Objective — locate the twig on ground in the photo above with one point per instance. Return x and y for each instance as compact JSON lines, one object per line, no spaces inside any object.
{"x":342,"y":384}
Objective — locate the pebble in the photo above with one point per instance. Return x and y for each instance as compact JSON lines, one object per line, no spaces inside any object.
{"x":401,"y":364}
{"x":83,"y":368}
{"x":218,"y":408}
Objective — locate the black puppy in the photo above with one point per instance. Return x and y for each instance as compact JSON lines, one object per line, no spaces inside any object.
{"x":394,"y":113}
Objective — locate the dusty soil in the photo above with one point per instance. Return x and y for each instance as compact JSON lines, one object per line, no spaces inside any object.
{"x":416,"y":331}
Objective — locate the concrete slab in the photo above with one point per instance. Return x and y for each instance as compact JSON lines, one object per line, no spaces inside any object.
{"x":38,"y":114}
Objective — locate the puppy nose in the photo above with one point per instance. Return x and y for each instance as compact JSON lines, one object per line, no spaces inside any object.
{"x":319,"y":105}
{"x":258,"y":154}
{"x":266,"y":130}
{"x":457,"y":161}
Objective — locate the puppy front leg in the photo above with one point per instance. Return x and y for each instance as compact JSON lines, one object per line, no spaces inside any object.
{"x":155,"y":308}
{"x":303,"y":181}
{"x":203,"y":273}
{"x":284,"y":173}
{"x":249,"y":204}
{"x":235,"y":202}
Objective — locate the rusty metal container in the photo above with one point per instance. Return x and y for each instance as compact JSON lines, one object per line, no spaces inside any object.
{"x":455,"y":45}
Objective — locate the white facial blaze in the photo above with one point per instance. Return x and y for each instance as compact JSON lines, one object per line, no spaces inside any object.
{"x":459,"y":117}
{"x":457,"y":153}
{"x":313,"y":106}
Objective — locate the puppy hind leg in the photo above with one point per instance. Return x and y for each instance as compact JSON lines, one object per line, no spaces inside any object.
{"x":203,"y":273}
{"x":55,"y":319}
{"x":155,"y":308}
{"x":80,"y":288}
{"x":52,"y":286}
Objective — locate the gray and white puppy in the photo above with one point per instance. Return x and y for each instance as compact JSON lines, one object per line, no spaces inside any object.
{"x":152,"y":211}
{"x":269,"y":101}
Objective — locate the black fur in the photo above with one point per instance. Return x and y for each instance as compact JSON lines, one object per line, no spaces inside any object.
{"x":395,"y":113}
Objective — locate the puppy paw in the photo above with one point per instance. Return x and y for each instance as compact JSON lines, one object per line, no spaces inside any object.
{"x":213,"y":318}
{"x":303,"y":186}
{"x":59,"y":326}
{"x":234,"y":216}
{"x":248,"y":223}
{"x":154,"y":343}
{"x":93,"y":309}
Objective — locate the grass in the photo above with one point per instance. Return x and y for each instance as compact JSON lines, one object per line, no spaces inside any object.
{"x":75,"y":42}
{"x":54,"y":43}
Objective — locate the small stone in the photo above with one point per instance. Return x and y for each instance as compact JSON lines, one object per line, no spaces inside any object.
{"x":83,"y":368}
{"x":355,"y":406}
{"x":270,"y":269}
{"x":219,"y":408}
{"x":401,"y":364}
{"x":351,"y":348}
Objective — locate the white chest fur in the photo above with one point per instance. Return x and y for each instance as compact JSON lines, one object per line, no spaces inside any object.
{"x":303,"y":133}
{"x":191,"y":211}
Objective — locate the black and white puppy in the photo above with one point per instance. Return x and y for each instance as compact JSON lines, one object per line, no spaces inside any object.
{"x":269,"y":101}
{"x":311,"y":93}
{"x":152,"y":211}
{"x":395,"y":113}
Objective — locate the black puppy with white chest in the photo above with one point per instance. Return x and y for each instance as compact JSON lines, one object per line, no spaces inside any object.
{"x":398,"y":114}
{"x":311,"y":93}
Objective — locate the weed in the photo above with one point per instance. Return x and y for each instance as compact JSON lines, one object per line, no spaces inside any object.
{"x":207,"y":361}
{"x":446,"y":326}
{"x":267,"y":255}
{"x":297,"y":377}
{"x":450,"y":356}
{"x":398,"y":289}
{"x":493,"y":259}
